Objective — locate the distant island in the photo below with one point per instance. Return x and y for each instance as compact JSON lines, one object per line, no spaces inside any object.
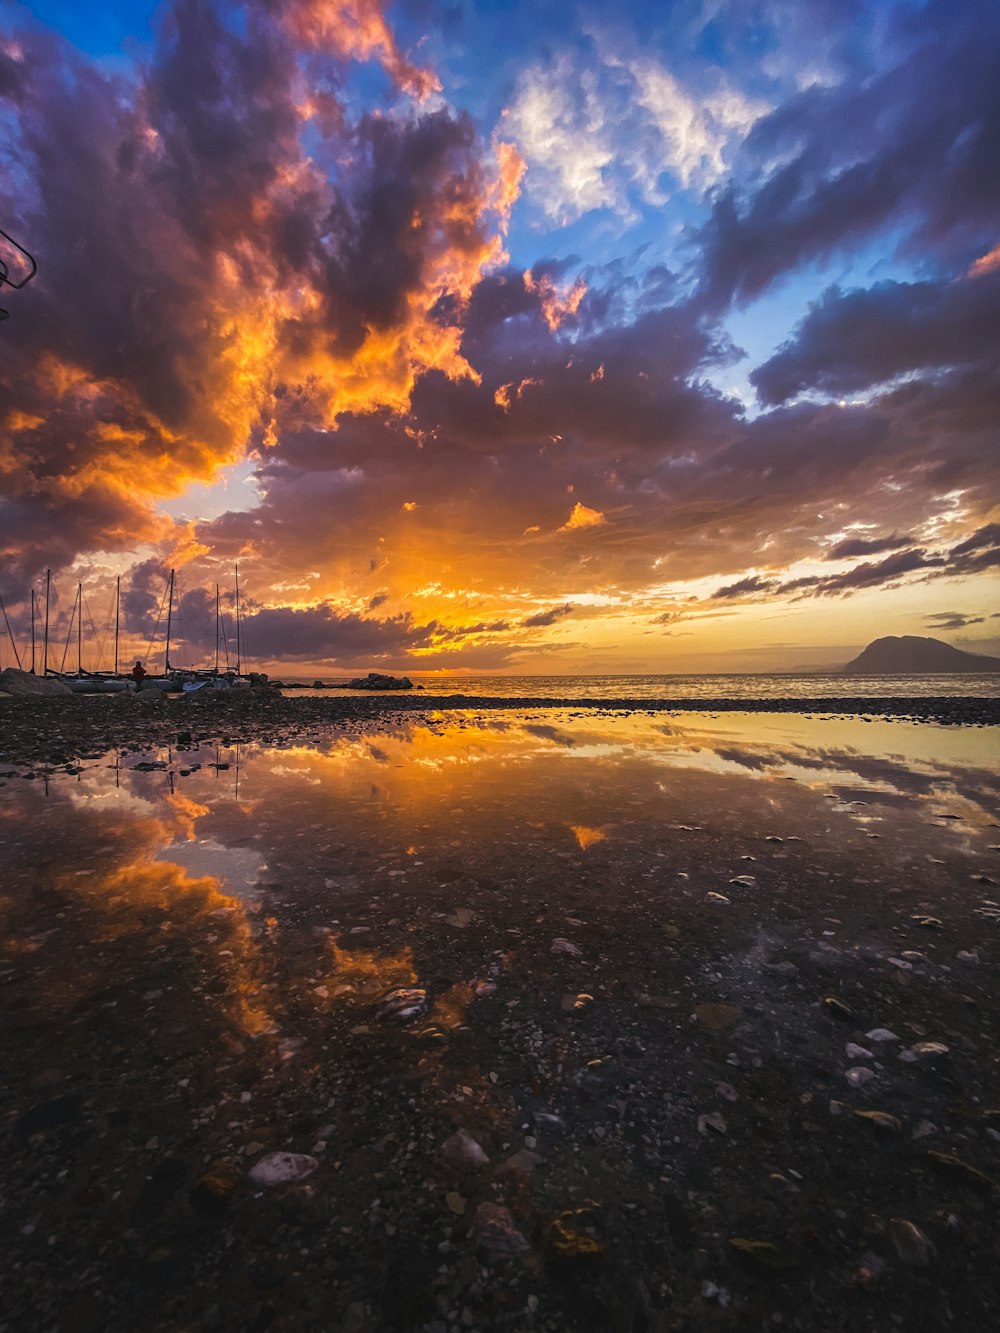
{"x":894,"y":655}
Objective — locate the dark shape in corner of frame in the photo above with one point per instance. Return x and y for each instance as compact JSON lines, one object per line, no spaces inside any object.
{"x":27,"y":266}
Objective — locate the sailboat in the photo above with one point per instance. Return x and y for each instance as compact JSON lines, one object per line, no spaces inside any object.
{"x":192,"y":680}
{"x":87,"y":682}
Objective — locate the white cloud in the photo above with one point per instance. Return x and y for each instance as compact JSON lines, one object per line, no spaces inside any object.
{"x":609,"y":131}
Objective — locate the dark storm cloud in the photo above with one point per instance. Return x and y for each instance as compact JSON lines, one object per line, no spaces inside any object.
{"x":321,"y":632}
{"x":549,"y":617}
{"x":743,"y":587}
{"x":857,"y":546}
{"x":952,"y":620}
{"x":181,"y":224}
{"x":852,"y":340}
{"x":915,"y":146}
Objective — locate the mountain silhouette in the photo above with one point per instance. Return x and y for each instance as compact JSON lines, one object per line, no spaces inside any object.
{"x":912,"y":654}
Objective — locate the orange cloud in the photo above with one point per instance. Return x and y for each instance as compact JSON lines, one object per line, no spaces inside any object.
{"x":582,"y":517}
{"x":557,"y":305}
{"x":357,"y":29}
{"x":987,"y":263}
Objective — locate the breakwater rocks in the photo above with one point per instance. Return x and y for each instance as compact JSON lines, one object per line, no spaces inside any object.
{"x":58,"y":729}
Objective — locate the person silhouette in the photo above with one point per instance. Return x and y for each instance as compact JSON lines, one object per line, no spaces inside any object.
{"x":138,"y":674}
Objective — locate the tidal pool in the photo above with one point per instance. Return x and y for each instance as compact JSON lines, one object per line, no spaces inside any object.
{"x":645,"y":954}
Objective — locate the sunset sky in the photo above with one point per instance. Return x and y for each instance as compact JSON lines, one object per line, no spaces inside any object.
{"x":492,"y":336}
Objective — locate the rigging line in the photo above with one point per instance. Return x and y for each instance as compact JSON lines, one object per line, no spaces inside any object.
{"x":17,"y":657}
{"x":69,"y":632}
{"x":93,"y":632}
{"x":104,"y":637}
{"x":225,"y":637}
{"x":159,"y":616}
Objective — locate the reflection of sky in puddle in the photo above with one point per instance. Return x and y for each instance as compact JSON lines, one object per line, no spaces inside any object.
{"x":374,"y":805}
{"x":324,"y":874}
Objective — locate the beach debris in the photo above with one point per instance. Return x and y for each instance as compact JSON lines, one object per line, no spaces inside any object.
{"x":566,"y":1238}
{"x":911,"y":1244}
{"x":838,"y":1008}
{"x":881,"y":1120}
{"x":713,"y":1121}
{"x":716,"y":898}
{"x":950,"y":1165}
{"x":923,"y":1050}
{"x":461,"y":918}
{"x":462,"y":1150}
{"x":744,"y":881}
{"x":870,"y":1269}
{"x":928,"y":922}
{"x":859,"y":1075}
{"x":881,"y":1035}
{"x":560,"y":945}
{"x":283,"y":1168}
{"x":400,"y":1005}
{"x":496,"y":1235}
{"x":571,"y":1004}
{"x":455,"y":1202}
{"x":902,"y":963}
{"x":215,"y":1188}
{"x":718,"y":1017}
{"x":763,"y":1252}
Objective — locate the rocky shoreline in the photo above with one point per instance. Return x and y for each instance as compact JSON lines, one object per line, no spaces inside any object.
{"x":59,"y":730}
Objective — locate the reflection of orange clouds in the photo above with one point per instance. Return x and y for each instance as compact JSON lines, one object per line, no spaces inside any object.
{"x":586,"y":837}
{"x":187,"y":812}
{"x":369,"y":972}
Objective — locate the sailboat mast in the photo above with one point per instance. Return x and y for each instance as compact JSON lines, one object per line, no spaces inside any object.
{"x":45,"y":650}
{"x":170,"y":612}
{"x":79,"y":629}
{"x":237,"y":619}
{"x":216,"y":629}
{"x":118,"y":607}
{"x":32,"y":631}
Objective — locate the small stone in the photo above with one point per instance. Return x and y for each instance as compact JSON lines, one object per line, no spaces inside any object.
{"x":855,"y":1052}
{"x":881,"y":1120}
{"x":566,"y":946}
{"x":923,"y":1050}
{"x":455,"y":1202}
{"x":525,"y":1161}
{"x":718,"y":1017}
{"x":881,"y":1034}
{"x":713,"y":1121}
{"x":911,"y":1244}
{"x":462,"y":1150}
{"x":859,"y":1075}
{"x":283,"y":1168}
{"x":400,"y":1005}
{"x":716,"y":898}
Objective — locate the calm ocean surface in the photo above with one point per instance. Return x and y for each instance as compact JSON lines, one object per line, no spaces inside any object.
{"x":769,"y":686}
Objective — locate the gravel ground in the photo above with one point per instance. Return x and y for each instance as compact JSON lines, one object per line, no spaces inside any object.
{"x":623,"y":1095}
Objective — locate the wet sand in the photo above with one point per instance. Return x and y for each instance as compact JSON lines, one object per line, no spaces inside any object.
{"x":654,"y":953}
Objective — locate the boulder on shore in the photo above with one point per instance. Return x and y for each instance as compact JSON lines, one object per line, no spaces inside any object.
{"x":23,"y":683}
{"x":375,"y":681}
